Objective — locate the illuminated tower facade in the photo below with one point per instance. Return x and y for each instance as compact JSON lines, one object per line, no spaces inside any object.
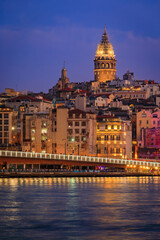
{"x":104,"y":61}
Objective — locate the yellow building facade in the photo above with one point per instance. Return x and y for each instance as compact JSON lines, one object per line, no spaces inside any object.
{"x":114,"y":137}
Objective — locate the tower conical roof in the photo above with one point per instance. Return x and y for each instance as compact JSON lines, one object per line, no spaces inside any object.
{"x":105,"y":48}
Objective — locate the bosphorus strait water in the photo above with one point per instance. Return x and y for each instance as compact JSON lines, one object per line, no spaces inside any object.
{"x":80,"y":208}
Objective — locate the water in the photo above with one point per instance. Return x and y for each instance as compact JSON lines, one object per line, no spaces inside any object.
{"x":80,"y":208}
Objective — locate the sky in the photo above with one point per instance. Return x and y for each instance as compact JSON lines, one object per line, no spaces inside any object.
{"x":37,"y":36}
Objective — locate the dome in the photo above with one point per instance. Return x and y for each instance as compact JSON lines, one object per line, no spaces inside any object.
{"x":104,"y":48}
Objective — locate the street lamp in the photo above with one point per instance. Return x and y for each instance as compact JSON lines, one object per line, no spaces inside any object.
{"x":78,"y":149}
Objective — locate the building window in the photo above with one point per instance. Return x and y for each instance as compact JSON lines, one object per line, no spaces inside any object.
{"x":6,"y":115}
{"x":5,"y":128}
{"x":76,"y":124}
{"x":70,"y":131}
{"x":70,"y":124}
{"x":118,"y":137}
{"x":6,"y":140}
{"x":77,"y":138}
{"x":106,"y":127}
{"x":0,"y":122}
{"x":106,"y":137}
{"x":83,"y":139}
{"x":0,"y":115}
{"x":140,"y":122}
{"x":83,"y":115}
{"x":98,"y":138}
{"x":153,"y":122}
{"x":6,"y":134}
{"x":147,"y":121}
{"x":83,"y":131}
{"x":70,"y":115}
{"x":5,"y":122}
{"x":76,"y":115}
{"x":83,"y":123}
{"x":112,"y":126}
{"x":154,"y":115}
{"x":76,"y":131}
{"x":117,"y":150}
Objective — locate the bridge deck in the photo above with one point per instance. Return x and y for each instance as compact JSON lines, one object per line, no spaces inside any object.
{"x":77,"y":158}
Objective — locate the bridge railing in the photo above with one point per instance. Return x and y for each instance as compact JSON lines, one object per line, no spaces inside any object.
{"x":129,"y":162}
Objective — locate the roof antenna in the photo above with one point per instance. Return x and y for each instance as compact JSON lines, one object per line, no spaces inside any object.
{"x":64,"y":63}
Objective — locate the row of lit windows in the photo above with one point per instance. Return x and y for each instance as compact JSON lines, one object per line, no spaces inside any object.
{"x":76,"y":139}
{"x":115,"y":127}
{"x":109,"y":137}
{"x":109,"y":150}
{"x":140,"y":95}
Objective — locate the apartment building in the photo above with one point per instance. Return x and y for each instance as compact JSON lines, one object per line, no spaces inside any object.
{"x":6,"y":114}
{"x":114,"y":137}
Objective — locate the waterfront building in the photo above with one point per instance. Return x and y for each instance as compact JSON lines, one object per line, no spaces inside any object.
{"x":114,"y":137}
{"x":75,"y":132}
{"x":150,"y":138}
{"x":148,"y":129}
{"x":104,"y":61}
{"x":6,"y":114}
{"x":36,"y":132}
{"x":147,"y":119}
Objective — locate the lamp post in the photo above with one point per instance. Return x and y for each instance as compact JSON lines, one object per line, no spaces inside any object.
{"x":78,"y":149}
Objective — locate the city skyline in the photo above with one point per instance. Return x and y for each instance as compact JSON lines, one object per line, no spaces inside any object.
{"x":37,"y":37}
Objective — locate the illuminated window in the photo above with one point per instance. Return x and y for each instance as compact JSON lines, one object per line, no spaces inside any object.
{"x":44,"y":130}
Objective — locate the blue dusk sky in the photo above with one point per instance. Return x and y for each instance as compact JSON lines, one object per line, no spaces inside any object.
{"x":36,"y":36}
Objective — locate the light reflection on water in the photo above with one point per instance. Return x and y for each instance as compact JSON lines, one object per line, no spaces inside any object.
{"x":80,"y":208}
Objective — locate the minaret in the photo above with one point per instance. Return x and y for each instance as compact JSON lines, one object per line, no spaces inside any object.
{"x":104,"y":61}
